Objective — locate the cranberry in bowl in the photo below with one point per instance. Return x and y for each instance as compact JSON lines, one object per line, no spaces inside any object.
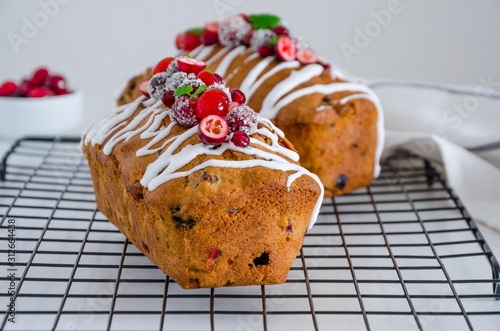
{"x":40,"y":105}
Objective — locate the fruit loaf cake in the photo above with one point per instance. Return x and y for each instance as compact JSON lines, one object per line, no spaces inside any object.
{"x":336,"y":125}
{"x":207,"y":189}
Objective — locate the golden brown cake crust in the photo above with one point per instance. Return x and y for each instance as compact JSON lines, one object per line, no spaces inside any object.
{"x":244,"y":217}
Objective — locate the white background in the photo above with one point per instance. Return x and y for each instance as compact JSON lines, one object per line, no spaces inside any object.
{"x":97,"y":44}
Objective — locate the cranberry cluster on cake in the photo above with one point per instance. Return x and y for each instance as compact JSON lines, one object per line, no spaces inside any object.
{"x":335,"y":125}
{"x":206,"y":188}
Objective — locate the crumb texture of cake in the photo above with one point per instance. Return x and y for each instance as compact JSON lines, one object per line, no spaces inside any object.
{"x":335,"y":125}
{"x":212,"y":203}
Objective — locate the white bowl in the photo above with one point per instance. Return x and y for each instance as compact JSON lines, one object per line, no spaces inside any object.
{"x":48,"y":116}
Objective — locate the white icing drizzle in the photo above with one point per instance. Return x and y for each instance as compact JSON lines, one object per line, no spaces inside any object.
{"x":166,"y":166}
{"x":285,"y":86}
{"x":323,"y":107}
{"x":217,"y":55}
{"x":367,"y":93}
{"x":228,"y":59}
{"x":251,"y":58}
{"x":102,"y":129}
{"x":196,"y":52}
{"x":267,"y":75}
{"x":271,"y":105}
{"x":126,"y":133}
{"x":255,"y":72}
{"x":204,"y":52}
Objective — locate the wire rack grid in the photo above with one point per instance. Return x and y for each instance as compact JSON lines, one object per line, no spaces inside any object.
{"x":400,"y":254}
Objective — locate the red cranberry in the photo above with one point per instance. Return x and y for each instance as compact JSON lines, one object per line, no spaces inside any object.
{"x":245,"y":17}
{"x":143,"y":87}
{"x":207,"y":77}
{"x":285,"y":49}
{"x":187,"y":41}
{"x":212,"y":102}
{"x":280,"y":30}
{"x":238,"y":96}
{"x":326,"y":66}
{"x":39,"y":77}
{"x":307,"y":56}
{"x":240,"y":139}
{"x":40,"y":92}
{"x":210,"y":34}
{"x":24,"y":88}
{"x":219,"y":78}
{"x":266,"y":51}
{"x":57,"y":84}
{"x":189,"y":65}
{"x":8,"y":89}
{"x":213,"y":130}
{"x":162,"y":65}
{"x":168,"y":98}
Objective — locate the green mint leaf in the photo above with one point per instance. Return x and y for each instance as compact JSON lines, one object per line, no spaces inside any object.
{"x":200,"y":90}
{"x":273,"y":41}
{"x":195,"y":31}
{"x":264,"y":21}
{"x":208,"y":69}
{"x":183,"y":90}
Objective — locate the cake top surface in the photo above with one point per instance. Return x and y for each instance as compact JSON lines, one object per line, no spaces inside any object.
{"x":187,"y":112}
{"x":262,"y":33}
{"x":270,"y":39}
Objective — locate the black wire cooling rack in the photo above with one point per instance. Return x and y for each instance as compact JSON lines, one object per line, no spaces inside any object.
{"x":402,"y":254}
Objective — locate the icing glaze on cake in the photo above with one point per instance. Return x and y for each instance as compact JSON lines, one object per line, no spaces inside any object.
{"x":129,"y":120}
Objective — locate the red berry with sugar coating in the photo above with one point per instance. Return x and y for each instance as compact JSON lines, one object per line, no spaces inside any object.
{"x":207,"y":78}
{"x":8,"y":89}
{"x":213,"y":130}
{"x":238,"y":96}
{"x":189,"y":65}
{"x":285,"y":48}
{"x":162,"y":65}
{"x":240,"y":139}
{"x":212,"y":102}
{"x":183,"y":111}
{"x":307,"y":56}
{"x":242,"y":118}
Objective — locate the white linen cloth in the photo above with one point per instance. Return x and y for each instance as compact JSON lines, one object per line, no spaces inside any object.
{"x":456,"y":127}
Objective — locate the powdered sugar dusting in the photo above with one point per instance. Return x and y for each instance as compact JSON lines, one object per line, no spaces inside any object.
{"x":233,"y":31}
{"x":242,"y":118}
{"x":261,"y":38}
{"x":300,"y":43}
